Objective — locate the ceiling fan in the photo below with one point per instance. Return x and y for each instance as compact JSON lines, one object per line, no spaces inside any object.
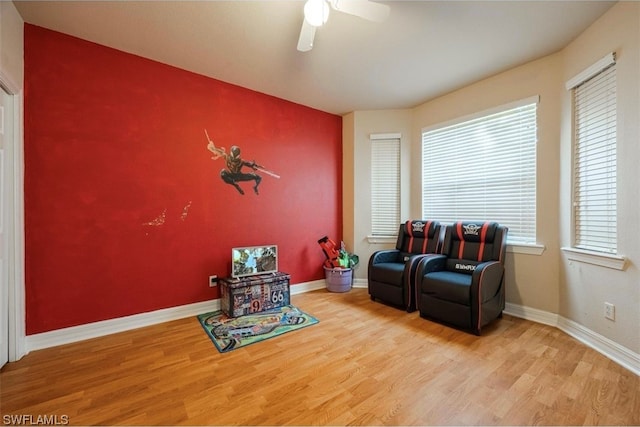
{"x":316,"y":13}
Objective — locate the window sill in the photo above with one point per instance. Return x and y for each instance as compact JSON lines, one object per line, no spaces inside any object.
{"x":615,"y":262}
{"x":522,"y":248}
{"x":382,"y":239}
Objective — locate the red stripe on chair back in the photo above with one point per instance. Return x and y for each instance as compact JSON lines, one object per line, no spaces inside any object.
{"x":483,"y":236}
{"x":409,"y":230}
{"x":426,"y":237}
{"x":461,"y":238}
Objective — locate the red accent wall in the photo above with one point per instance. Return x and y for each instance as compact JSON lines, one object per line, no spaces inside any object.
{"x":125,"y":210}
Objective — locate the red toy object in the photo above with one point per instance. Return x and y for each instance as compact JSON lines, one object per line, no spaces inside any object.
{"x":331,"y":251}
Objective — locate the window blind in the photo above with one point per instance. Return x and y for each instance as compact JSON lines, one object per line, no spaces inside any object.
{"x":484,"y":169}
{"x":594,"y":187}
{"x":385,"y":186}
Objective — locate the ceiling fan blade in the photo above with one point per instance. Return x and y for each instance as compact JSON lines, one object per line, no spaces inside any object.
{"x":369,"y":10}
{"x":307,"y":33}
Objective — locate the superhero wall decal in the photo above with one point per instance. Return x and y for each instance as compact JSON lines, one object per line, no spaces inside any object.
{"x":233,"y":172}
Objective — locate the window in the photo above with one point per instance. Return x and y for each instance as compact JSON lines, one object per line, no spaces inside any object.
{"x":484,"y":168}
{"x":385,"y":184}
{"x":594,"y":162}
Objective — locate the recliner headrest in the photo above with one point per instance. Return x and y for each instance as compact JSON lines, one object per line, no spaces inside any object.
{"x":475,"y":231}
{"x":420,"y":229}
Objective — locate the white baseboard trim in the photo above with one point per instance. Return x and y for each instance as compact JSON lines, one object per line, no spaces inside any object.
{"x":614,"y":351}
{"x":121,"y":324}
{"x":321,"y":284}
{"x":533,"y":314}
{"x":360,"y":283}
{"x":112,"y":326}
{"x":610,"y":349}
{"x":301,"y":288}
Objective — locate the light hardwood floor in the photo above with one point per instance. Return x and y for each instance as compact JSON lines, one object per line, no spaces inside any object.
{"x":364,"y":364}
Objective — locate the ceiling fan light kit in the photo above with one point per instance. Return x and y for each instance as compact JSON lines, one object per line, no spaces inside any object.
{"x":316,"y":14}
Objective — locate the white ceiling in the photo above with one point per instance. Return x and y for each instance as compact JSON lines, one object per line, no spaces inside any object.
{"x":423,"y":50}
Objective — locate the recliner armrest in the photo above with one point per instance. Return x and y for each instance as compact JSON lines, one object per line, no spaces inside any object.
{"x":412,"y":264}
{"x":430,"y":263}
{"x":385,"y":255}
{"x":487,"y":279}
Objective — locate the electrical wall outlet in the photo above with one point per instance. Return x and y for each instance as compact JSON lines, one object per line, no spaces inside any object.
{"x":213,"y":281}
{"x":609,"y":311}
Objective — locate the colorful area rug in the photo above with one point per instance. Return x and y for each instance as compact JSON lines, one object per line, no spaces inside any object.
{"x":229,"y":333}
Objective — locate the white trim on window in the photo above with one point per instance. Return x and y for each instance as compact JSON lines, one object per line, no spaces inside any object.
{"x":385,"y":184}
{"x":615,"y":262}
{"x":483,"y":167}
{"x":382,"y":240}
{"x":594,"y":193}
{"x":377,"y":136}
{"x":591,"y":71}
{"x":508,"y":106}
{"x":525,"y":249}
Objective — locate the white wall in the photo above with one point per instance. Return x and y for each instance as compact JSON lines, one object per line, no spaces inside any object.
{"x":357,"y":128}
{"x":532,"y":280}
{"x":11,"y":44}
{"x":547,"y":283}
{"x":584,"y":288}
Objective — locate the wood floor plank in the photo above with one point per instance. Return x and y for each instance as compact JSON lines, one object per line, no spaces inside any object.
{"x":364,"y":363}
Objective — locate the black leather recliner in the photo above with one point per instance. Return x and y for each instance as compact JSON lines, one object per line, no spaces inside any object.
{"x":391,"y":272}
{"x":464,"y":286}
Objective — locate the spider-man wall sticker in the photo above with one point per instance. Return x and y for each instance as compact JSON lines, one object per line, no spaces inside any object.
{"x":233,"y":173}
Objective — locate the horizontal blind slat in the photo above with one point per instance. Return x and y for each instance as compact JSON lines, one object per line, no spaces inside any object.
{"x":594,"y":189}
{"x":385,"y":186}
{"x":484,"y":168}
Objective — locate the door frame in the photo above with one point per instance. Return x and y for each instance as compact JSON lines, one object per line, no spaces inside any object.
{"x":14,"y":221}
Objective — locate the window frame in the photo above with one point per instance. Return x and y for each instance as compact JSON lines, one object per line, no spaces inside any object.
{"x":609,"y":259}
{"x":389,"y":235}
{"x":529,"y":246}
{"x":583,"y":170}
